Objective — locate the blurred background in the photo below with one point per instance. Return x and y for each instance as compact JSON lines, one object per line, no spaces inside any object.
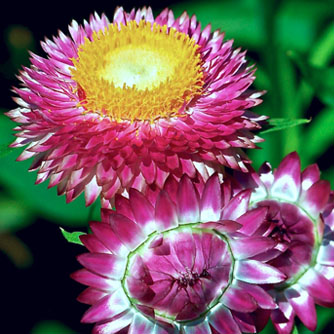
{"x":292,"y":44}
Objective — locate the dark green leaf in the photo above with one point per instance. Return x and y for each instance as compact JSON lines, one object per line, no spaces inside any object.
{"x":320,"y":78}
{"x":51,"y":327}
{"x":72,"y":237}
{"x":5,"y":149}
{"x":278,"y":124}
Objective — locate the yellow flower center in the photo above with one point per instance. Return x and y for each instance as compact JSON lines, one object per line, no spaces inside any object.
{"x":138,"y":72}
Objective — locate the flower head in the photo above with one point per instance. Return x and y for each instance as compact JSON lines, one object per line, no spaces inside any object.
{"x":184,"y":262}
{"x":125,"y":104}
{"x":301,"y":220}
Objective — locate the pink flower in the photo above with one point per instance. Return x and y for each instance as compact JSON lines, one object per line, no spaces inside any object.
{"x":301,"y":220}
{"x":184,"y":262}
{"x":125,"y":104}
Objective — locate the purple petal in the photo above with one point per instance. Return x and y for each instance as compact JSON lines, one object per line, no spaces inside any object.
{"x":239,"y":300}
{"x":107,"y":236}
{"x":303,"y":304}
{"x":237,"y":206}
{"x":211,"y":200}
{"x":114,"y":326}
{"x":86,"y":277}
{"x":91,"y":295}
{"x":316,"y":197}
{"x":252,"y":271}
{"x":201,"y":328}
{"x":310,"y":175}
{"x":247,"y":247}
{"x":252,"y":220}
{"x":109,"y":265}
{"x":317,"y":286}
{"x":165,"y":212}
{"x":245,"y":322}
{"x":287,"y":178}
{"x":107,"y":307}
{"x":128,"y":232}
{"x":222,"y":320}
{"x":187,"y":201}
{"x":263,"y":299}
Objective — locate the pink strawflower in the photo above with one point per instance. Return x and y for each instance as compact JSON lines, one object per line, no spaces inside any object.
{"x":184,"y":262}
{"x":125,"y":104}
{"x":301,"y":220}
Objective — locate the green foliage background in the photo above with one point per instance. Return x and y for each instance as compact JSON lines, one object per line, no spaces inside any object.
{"x":292,"y":44}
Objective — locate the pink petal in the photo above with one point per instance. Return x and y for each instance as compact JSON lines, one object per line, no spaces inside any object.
{"x":114,"y":326}
{"x":86,"y":277}
{"x":247,"y":247}
{"x":316,"y":197}
{"x":140,"y":325}
{"x":310,"y":175}
{"x":287,"y":178}
{"x":143,"y":211}
{"x":237,"y":206}
{"x":91,"y":295}
{"x":252,"y":220}
{"x":128,"y":232}
{"x":317,"y":286}
{"x":303,"y":305}
{"x":211,"y":200}
{"x":255,"y":272}
{"x":165,"y":212}
{"x":239,"y":300}
{"x":245,"y":322}
{"x":108,"y":238}
{"x":187,"y":201}
{"x":107,"y":307}
{"x":200,"y":328}
{"x":222,"y":320}
{"x":93,"y":244}
{"x":109,"y":265}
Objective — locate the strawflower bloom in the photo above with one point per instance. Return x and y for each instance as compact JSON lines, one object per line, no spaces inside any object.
{"x":183,"y":262}
{"x":125,"y":104}
{"x":301,"y":220}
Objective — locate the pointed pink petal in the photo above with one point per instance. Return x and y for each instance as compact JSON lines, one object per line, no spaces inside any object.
{"x":238,"y":300}
{"x":187,"y":201}
{"x":252,"y":271}
{"x":310,"y":175}
{"x":109,"y":265}
{"x":93,"y":244}
{"x":316,"y":197}
{"x":114,"y":326}
{"x":200,"y":328}
{"x":211,"y":200}
{"x":263,"y":299}
{"x":143,"y":211}
{"x":252,"y":220}
{"x":128,"y":232}
{"x":303,"y":305}
{"x":140,"y":325}
{"x":243,"y":248}
{"x":107,"y":307}
{"x":165,"y":212}
{"x":123,"y":207}
{"x":317,"y":286}
{"x":237,"y":206}
{"x":86,"y":277}
{"x":107,"y":236}
{"x":222,"y":320}
{"x":287,"y":178}
{"x":91,"y":295}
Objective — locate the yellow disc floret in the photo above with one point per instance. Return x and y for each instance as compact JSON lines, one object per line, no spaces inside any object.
{"x":138,"y":72}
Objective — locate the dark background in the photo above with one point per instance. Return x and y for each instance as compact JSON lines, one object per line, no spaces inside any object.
{"x":37,"y":294}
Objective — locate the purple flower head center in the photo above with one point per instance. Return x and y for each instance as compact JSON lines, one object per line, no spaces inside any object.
{"x":295,"y":233}
{"x":180,"y":274}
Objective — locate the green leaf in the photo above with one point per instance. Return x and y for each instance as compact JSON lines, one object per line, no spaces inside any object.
{"x":5,"y":149}
{"x":295,"y":330}
{"x":320,"y":78}
{"x":72,"y":237}
{"x":278,"y":124}
{"x":319,"y":135}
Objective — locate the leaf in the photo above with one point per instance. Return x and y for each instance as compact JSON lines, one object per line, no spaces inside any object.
{"x":319,"y":135}
{"x":278,"y":124}
{"x":51,"y":327}
{"x":295,"y":330}
{"x":5,"y":149}
{"x":72,"y":237}
{"x":320,"y":78}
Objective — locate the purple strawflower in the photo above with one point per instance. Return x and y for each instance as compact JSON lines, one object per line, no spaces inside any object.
{"x":182,"y":262}
{"x":301,"y":219}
